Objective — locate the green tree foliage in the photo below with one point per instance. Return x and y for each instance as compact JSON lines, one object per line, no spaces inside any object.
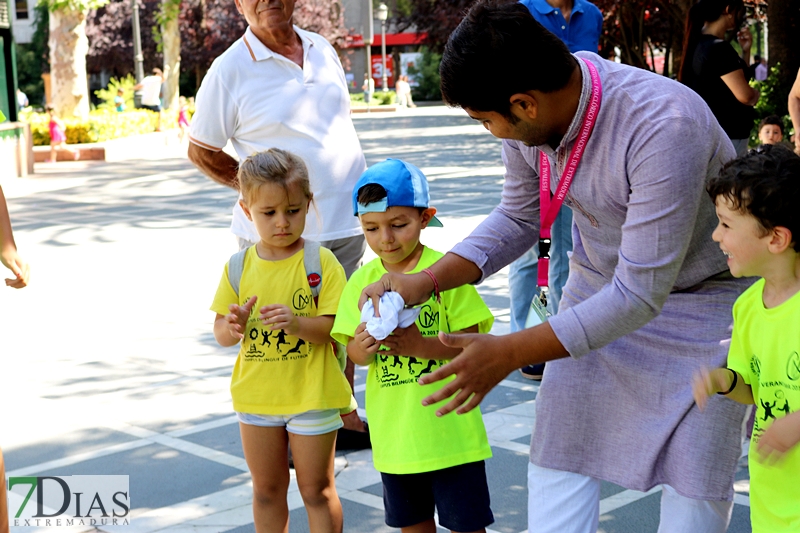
{"x":437,"y":18}
{"x":110,"y":33}
{"x":427,"y":75}
{"x":108,"y":94}
{"x":33,"y":58}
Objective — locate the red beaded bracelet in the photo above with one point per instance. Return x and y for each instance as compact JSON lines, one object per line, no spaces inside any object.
{"x":435,"y":284}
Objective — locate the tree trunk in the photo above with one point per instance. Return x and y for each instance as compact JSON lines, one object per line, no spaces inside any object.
{"x":68,"y":49}
{"x":171,"y":41}
{"x":783,"y":17}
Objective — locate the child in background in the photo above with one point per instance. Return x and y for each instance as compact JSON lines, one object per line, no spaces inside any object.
{"x":759,"y":224}
{"x":770,"y":130}
{"x":119,"y":101}
{"x":58,"y":138}
{"x":286,"y":386}
{"x":425,"y":462}
{"x":183,"y":117}
{"x":21,"y":271}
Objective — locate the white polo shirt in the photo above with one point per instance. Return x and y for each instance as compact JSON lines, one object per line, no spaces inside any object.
{"x":151,"y":90}
{"x":259,"y":99}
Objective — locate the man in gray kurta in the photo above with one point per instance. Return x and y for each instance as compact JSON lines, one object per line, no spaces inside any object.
{"x":649,"y":295}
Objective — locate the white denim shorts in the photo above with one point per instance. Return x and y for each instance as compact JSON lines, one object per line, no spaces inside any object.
{"x":310,"y":423}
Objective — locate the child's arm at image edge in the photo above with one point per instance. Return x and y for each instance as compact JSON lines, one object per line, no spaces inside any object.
{"x":411,"y":343}
{"x":707,"y":383}
{"x":8,"y":249}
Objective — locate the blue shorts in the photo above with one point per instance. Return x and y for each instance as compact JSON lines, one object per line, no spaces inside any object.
{"x":310,"y":423}
{"x":460,"y":494}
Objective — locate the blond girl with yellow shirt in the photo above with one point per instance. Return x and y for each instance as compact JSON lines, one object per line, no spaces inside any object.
{"x":287,"y":387}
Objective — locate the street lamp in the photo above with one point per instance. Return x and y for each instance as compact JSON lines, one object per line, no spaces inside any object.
{"x":138,"y":58}
{"x":383,"y":14}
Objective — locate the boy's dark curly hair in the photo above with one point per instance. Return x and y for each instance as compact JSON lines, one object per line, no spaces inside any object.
{"x":766,"y":184}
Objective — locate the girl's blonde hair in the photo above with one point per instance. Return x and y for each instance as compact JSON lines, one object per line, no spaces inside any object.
{"x":272,"y":166}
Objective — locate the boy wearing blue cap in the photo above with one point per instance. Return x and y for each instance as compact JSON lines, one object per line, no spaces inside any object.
{"x":425,"y":462}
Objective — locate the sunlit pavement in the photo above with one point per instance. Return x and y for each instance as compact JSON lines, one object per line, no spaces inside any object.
{"x":109,"y":365}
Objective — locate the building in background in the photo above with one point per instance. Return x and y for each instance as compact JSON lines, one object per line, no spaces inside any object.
{"x":22,"y":20}
{"x":397,"y":45}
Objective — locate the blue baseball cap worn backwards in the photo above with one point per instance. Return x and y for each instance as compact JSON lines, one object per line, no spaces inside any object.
{"x":405,"y":184}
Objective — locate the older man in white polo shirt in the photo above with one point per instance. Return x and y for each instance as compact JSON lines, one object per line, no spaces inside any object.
{"x":280,"y":86}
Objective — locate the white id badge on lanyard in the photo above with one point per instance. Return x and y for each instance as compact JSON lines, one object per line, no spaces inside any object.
{"x":538,"y":313}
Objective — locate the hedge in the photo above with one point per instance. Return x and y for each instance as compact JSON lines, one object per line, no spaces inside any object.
{"x":100,"y":126}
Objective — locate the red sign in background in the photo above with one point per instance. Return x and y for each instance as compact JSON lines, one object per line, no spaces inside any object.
{"x":377,"y":71}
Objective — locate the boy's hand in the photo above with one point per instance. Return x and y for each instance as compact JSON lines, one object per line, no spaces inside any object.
{"x":782,"y":436}
{"x":279,"y":317}
{"x":405,"y":341}
{"x":18,"y":267}
{"x":237,"y":318}
{"x":363,"y":346}
{"x":706,"y":383}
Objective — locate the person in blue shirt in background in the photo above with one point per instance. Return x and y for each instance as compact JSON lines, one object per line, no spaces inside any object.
{"x":578,"y":24}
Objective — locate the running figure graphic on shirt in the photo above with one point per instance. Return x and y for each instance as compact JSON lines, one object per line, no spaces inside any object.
{"x":432,"y":363}
{"x":281,"y":340}
{"x":296,"y":349}
{"x":411,"y":362}
{"x":395,"y":360}
{"x":265,"y":334}
{"x":768,"y":410}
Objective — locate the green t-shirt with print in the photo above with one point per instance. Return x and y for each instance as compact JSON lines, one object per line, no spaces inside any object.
{"x":765,"y":350}
{"x":406,"y":437}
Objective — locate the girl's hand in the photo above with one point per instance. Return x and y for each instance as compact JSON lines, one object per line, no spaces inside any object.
{"x":237,"y":318}
{"x":782,"y":436}
{"x":408,"y":341}
{"x":706,"y":383}
{"x":279,"y":317}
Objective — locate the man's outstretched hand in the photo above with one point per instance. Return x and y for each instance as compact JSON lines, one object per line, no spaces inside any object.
{"x":414,"y":288}
{"x":484,"y":362}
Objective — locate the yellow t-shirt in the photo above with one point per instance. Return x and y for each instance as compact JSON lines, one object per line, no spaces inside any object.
{"x":765,"y":350}
{"x":406,"y":437}
{"x":276,"y":373}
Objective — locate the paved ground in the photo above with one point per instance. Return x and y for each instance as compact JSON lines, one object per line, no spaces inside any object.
{"x":109,"y":365}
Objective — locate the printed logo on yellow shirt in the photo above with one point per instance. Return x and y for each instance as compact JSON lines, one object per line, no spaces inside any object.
{"x":793,"y":367}
{"x":264,"y":345}
{"x":774,"y":395}
{"x":394,"y":370}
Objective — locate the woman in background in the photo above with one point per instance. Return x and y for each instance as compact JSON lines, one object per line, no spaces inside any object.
{"x":713,"y":69}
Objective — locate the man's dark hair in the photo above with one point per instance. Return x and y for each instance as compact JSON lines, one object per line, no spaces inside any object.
{"x":774,"y":120}
{"x":369,"y":193}
{"x":499,"y":50}
{"x":766,"y":184}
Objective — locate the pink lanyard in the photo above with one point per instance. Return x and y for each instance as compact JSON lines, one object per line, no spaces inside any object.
{"x":549,"y":207}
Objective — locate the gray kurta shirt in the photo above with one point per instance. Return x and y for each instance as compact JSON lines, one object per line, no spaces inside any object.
{"x":647,"y":301}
